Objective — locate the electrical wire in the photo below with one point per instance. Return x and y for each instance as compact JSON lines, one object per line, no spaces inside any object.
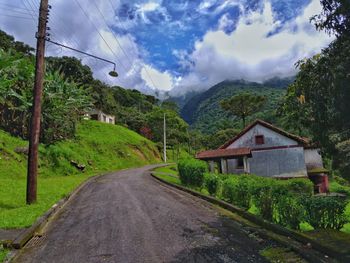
{"x":115,"y":37}
{"x":120,"y":23}
{"x":104,"y":40}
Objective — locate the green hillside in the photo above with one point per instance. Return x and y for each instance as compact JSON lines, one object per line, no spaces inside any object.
{"x":203,"y":111}
{"x":100,"y":147}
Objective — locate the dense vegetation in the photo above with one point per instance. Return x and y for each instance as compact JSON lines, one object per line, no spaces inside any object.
{"x":317,"y":103}
{"x":70,"y":91}
{"x":286,"y":202}
{"x":203,"y":111}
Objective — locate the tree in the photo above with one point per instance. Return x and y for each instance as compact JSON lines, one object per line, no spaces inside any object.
{"x":334,"y":18}
{"x":318,"y":100}
{"x":243,"y":105}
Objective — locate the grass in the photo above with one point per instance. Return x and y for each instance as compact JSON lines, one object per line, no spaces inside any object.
{"x":100,"y":147}
{"x":171,"y":169}
{"x":3,"y":254}
{"x":281,"y":255}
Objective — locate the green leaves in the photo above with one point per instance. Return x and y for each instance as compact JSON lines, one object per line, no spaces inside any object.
{"x":243,"y":105}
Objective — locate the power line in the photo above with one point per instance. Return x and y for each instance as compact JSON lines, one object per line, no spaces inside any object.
{"x":104,"y":40}
{"x":20,"y":17}
{"x":120,"y":23}
{"x":115,"y":37}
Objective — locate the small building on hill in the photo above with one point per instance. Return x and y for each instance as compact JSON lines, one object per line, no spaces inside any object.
{"x":266,"y":150}
{"x":98,"y":115}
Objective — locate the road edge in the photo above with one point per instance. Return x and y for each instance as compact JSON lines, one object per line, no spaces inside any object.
{"x":279,"y":230}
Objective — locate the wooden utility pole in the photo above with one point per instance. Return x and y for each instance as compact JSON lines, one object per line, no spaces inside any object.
{"x":164,"y":128}
{"x":32,"y":171}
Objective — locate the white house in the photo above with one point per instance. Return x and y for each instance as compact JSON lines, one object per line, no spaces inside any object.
{"x":98,"y":115}
{"x":266,"y":150}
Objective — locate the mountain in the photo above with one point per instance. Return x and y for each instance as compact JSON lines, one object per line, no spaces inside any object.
{"x":203,"y":110}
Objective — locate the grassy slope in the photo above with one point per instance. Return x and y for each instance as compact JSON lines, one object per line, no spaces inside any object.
{"x":101,"y":147}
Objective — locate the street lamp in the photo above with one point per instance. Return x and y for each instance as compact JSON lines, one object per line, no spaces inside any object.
{"x":112,"y":73}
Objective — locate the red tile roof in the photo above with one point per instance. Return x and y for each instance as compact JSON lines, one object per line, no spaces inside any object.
{"x":222,"y":153}
{"x":303,"y":141}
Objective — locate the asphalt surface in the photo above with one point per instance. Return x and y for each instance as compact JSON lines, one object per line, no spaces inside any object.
{"x":128,"y":216}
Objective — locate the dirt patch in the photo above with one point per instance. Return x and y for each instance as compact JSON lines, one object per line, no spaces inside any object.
{"x":139,"y":153}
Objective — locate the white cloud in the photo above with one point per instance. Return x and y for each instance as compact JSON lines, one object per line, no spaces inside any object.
{"x":251,"y":52}
{"x":153,"y":77}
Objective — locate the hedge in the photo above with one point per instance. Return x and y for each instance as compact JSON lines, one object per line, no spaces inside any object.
{"x":191,"y":172}
{"x":212,"y":183}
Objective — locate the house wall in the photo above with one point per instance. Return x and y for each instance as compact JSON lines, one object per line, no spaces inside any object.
{"x":282,"y":162}
{"x":313,"y":158}
{"x":271,"y":138}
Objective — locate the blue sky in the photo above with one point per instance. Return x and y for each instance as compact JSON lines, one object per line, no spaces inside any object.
{"x":179,"y":45}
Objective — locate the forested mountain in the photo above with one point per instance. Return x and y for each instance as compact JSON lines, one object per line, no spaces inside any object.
{"x":203,"y":111}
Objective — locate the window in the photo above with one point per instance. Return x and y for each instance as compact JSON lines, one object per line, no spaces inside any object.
{"x":259,"y":139}
{"x":240,"y":163}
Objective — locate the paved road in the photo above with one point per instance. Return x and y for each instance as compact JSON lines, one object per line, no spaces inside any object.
{"x":130,"y":217}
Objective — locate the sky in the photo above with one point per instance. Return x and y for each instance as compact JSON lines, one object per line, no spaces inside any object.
{"x":176,"y":46}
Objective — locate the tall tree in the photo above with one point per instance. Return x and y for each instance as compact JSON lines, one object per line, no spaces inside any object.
{"x":243,"y":105}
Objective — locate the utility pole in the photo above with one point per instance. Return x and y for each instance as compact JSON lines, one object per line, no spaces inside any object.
{"x":164,"y":128}
{"x":32,"y":171}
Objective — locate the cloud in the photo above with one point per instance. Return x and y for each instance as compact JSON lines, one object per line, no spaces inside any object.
{"x":259,"y":48}
{"x":182,"y":44}
{"x":162,"y":80}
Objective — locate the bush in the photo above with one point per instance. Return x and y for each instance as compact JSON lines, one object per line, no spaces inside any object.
{"x":238,"y":190}
{"x":263,"y":197}
{"x":288,"y":196}
{"x":325,"y":212}
{"x":212,"y":183}
{"x":191,"y":172}
{"x":289,"y":211}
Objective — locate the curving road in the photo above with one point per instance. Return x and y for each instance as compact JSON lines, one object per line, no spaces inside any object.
{"x":128,"y":216}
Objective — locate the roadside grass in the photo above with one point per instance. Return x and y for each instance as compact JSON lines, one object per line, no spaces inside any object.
{"x":100,"y":147}
{"x":281,"y":255}
{"x":3,"y":254}
{"x":171,"y":169}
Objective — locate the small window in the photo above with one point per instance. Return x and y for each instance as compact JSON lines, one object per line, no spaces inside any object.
{"x":259,"y":139}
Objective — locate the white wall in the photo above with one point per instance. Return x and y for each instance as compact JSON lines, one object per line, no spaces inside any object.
{"x":313,"y":158}
{"x":281,"y":162}
{"x":271,"y":138}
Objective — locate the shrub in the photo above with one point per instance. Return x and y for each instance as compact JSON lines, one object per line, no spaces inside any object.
{"x":325,"y":212}
{"x":238,"y":190}
{"x":287,"y":201}
{"x":263,"y":197}
{"x":289,"y":211}
{"x":191,"y":172}
{"x":299,"y":187}
{"x":212,"y":183}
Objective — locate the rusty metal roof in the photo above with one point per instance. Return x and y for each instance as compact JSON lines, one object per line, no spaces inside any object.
{"x":222,"y":153}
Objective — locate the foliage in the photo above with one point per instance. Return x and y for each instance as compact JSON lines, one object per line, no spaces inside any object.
{"x":220,"y":137}
{"x":243,"y":105}
{"x":70,"y":68}
{"x":203,"y":111}
{"x":334,"y":18}
{"x":100,"y":147}
{"x":8,"y":44}
{"x":191,"y":172}
{"x":63,"y":102}
{"x":317,"y":102}
{"x":212,"y":183}
{"x":343,"y":160}
{"x":326,"y":212}
{"x":238,"y":190}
